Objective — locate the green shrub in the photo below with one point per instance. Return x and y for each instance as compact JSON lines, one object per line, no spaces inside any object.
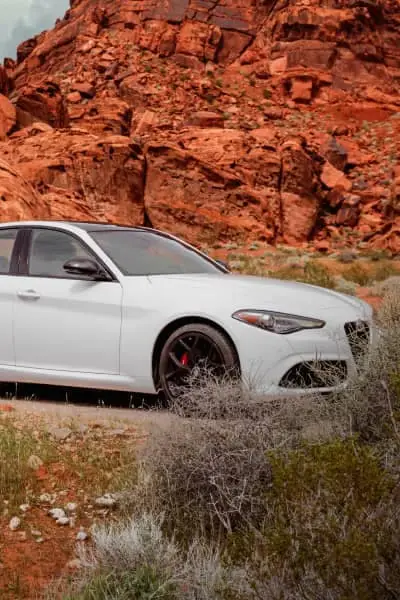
{"x":358,"y":274}
{"x":366,"y":275}
{"x":328,"y":519}
{"x":142,"y":584}
{"x":312,"y":273}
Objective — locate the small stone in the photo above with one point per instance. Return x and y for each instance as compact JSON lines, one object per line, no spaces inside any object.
{"x":71,"y":507}
{"x":302,"y":90}
{"x":36,"y":532}
{"x":34,"y":462}
{"x":75,"y":563}
{"x":62,"y":521}
{"x":24,"y":507}
{"x":117,"y":432}
{"x":347,"y":256}
{"x":74,"y":97}
{"x":57,"y":513}
{"x":107,"y":500}
{"x":60,"y":433}
{"x":45,"y":498}
{"x":333,"y":178}
{"x":15,"y":522}
{"x":84,"y":88}
{"x":203,"y":118}
{"x":81,"y":536}
{"x":39,"y":540}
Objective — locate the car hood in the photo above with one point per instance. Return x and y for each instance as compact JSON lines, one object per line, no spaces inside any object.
{"x":246,"y":291}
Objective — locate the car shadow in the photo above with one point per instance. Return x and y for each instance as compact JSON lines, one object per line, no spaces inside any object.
{"x":82,"y":396}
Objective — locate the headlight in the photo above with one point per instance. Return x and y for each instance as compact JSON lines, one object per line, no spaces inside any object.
{"x":277,"y":322}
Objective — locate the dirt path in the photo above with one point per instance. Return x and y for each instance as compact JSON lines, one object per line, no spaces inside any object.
{"x":59,"y":413}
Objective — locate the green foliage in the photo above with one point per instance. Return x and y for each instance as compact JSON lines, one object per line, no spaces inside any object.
{"x":365,"y":275}
{"x":325,"y":500}
{"x":267,"y":93}
{"x":312,"y":273}
{"x":358,"y":274}
{"x":328,"y":512}
{"x":141,"y":584}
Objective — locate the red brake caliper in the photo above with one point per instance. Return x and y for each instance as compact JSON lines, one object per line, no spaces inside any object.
{"x":184,"y":359}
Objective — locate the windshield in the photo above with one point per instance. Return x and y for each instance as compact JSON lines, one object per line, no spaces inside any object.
{"x":138,"y":252}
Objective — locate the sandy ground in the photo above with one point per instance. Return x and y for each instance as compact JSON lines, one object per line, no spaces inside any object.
{"x":63,"y":413}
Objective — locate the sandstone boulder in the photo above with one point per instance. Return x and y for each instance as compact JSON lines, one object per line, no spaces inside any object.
{"x":18,"y":198}
{"x":8,"y":117}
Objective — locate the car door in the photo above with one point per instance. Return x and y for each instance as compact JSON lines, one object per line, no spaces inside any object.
{"x":8,"y":283}
{"x":64,"y":322}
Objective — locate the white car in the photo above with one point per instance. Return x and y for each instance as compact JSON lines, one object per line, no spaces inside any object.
{"x":134,"y":309}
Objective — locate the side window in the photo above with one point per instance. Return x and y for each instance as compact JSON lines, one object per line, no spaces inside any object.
{"x":7,"y":241}
{"x":50,"y":250}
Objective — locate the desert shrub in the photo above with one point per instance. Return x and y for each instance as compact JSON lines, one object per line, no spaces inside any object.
{"x":385,"y":269}
{"x":248,"y":265}
{"x":208,"y":476}
{"x":209,"y":470}
{"x":390,"y":285}
{"x":371,"y":399}
{"x":328,"y":531}
{"x":365,"y":275}
{"x":142,"y":584}
{"x":344,"y":286}
{"x":357,"y":273}
{"x":312,"y":273}
{"x":134,"y":560}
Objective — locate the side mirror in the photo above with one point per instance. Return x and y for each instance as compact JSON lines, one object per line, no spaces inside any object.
{"x":85,"y":267}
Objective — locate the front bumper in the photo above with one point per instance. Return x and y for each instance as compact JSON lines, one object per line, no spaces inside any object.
{"x":274,"y":364}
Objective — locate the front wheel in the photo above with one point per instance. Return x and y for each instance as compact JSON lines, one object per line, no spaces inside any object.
{"x":194,"y":348}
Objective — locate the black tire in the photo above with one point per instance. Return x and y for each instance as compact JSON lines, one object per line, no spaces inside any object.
{"x":222,"y":355}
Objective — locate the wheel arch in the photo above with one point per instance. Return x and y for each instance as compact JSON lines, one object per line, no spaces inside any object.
{"x":173,"y":326}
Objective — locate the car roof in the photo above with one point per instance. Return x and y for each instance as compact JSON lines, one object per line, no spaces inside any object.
{"x":88,"y":226}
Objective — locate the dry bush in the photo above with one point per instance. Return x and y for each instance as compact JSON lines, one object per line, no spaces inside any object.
{"x":371,"y":400}
{"x":209,"y":470}
{"x":135,"y":560}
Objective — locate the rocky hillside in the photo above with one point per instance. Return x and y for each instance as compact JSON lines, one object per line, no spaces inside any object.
{"x":271,"y":120}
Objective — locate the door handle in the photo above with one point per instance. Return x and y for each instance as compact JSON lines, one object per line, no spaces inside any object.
{"x":28,"y":295}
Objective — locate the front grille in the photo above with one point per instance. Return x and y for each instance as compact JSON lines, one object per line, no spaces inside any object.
{"x":358,"y":336}
{"x":315,"y":374}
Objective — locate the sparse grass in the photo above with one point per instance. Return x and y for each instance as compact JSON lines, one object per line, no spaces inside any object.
{"x":102,"y":465}
{"x":291,"y":269}
{"x":17,"y":444}
{"x":366,"y":274}
{"x":312,"y":273}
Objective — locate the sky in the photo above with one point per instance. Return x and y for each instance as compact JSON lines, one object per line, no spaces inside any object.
{"x":21,"y":19}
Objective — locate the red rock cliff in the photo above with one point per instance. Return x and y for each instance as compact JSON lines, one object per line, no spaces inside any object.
{"x":259,"y":119}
